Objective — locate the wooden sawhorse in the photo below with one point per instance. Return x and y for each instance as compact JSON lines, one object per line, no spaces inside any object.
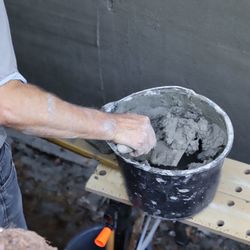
{"x":228,"y":215}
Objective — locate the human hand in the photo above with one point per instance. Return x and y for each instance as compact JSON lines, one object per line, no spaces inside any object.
{"x":134,"y":131}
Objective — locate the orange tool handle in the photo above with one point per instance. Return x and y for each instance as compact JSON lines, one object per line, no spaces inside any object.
{"x":103,"y":237}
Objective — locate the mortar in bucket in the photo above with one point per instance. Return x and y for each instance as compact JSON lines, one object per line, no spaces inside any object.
{"x":179,"y":117}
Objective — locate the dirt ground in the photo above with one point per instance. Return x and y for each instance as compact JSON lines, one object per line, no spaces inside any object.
{"x":57,"y":206}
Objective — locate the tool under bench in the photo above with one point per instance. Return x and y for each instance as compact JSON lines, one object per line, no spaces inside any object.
{"x":228,"y":215}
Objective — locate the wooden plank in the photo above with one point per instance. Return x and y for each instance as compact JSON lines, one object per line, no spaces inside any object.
{"x":83,"y":148}
{"x":221,"y":217}
{"x":108,"y":182}
{"x":228,"y":183}
{"x":235,"y":179}
{"x":230,"y":207}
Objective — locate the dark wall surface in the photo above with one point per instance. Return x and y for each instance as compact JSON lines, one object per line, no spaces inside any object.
{"x":94,"y":51}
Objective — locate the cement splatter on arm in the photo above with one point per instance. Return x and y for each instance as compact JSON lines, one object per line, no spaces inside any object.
{"x":35,"y":111}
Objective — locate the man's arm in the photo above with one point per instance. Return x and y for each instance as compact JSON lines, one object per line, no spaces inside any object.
{"x":34,"y":111}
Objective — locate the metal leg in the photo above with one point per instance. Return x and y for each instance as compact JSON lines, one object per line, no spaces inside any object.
{"x":144,"y":231}
{"x":145,"y":240}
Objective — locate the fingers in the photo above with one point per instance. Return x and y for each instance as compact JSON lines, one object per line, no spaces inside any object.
{"x":149,"y":142}
{"x":136,"y":132}
{"x":148,"y":139}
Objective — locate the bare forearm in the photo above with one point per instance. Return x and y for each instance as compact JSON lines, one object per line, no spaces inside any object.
{"x":35,"y":111}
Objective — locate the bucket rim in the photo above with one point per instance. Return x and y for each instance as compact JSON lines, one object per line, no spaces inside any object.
{"x":166,"y":172}
{"x":83,"y":232}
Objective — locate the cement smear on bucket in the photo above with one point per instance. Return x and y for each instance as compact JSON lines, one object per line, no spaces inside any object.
{"x":185,"y":138}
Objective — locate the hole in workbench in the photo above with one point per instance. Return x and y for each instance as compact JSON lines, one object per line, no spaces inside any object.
{"x":238,"y":189}
{"x":220,"y":223}
{"x":230,"y":203}
{"x":248,"y":233}
{"x":96,"y":177}
{"x":102,"y":172}
{"x":247,"y":171}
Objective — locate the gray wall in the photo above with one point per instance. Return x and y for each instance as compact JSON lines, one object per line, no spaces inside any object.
{"x":94,"y":51}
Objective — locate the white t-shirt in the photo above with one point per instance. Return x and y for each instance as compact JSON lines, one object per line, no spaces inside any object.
{"x":8,"y":66}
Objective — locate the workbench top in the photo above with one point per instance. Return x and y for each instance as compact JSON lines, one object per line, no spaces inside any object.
{"x":227,"y":215}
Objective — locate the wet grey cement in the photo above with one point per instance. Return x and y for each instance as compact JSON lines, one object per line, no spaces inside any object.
{"x":187,"y":137}
{"x":182,"y":131}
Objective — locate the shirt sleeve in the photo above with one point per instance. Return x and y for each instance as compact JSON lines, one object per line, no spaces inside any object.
{"x":8,"y":65}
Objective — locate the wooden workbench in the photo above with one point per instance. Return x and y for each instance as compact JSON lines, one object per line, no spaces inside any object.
{"x":228,"y":214}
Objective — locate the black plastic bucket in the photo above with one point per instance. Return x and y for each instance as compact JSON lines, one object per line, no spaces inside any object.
{"x":85,"y":240}
{"x":172,"y":194}
{"x":165,"y":196}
